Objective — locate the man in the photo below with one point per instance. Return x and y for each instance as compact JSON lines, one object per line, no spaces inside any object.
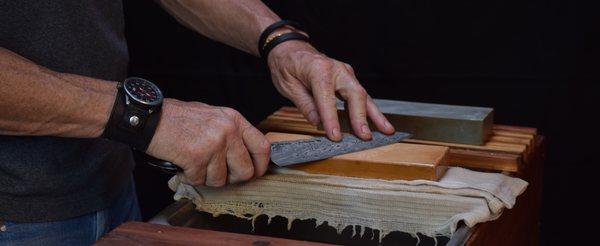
{"x":63,"y":177}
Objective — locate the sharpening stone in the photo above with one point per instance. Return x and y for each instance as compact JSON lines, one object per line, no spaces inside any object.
{"x":434,"y":122}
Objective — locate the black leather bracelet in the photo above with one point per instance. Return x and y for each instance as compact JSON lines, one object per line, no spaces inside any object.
{"x":149,"y":129}
{"x":265,"y":34}
{"x":280,"y":39}
{"x":116,"y":129}
{"x":115,"y":115}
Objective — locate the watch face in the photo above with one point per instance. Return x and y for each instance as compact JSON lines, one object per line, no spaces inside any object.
{"x":143,"y":91}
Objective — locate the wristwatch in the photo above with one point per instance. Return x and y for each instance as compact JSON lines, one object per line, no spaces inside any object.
{"x":135,"y":114}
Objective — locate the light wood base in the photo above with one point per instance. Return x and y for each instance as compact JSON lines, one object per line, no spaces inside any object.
{"x":395,"y":161}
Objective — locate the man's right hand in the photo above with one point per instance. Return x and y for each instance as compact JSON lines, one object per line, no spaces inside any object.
{"x":213,"y":145}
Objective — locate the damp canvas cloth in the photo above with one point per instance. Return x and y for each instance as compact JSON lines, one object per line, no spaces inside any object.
{"x":432,"y":208}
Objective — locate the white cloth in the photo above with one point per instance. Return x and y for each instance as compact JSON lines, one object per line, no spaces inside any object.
{"x":419,"y":206}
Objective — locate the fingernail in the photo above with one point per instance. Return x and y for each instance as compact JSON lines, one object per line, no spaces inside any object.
{"x":387,"y":125}
{"x":365,"y":130}
{"x":313,"y":117}
{"x":335,"y":132}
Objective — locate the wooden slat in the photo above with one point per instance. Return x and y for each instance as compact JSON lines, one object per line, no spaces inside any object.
{"x":484,"y":160}
{"x":512,"y":134}
{"x":489,"y":146}
{"x":394,"y":161}
{"x":521,"y":224}
{"x":514,"y":140}
{"x":520,"y":129}
{"x":138,"y":233}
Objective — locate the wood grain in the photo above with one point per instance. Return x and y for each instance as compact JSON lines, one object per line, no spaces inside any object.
{"x":505,"y":149}
{"x":394,"y":161}
{"x":521,"y":224}
{"x":138,"y":233}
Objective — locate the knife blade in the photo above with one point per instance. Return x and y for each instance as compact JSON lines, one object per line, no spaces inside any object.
{"x":285,"y":153}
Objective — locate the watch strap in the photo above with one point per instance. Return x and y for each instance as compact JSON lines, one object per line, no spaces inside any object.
{"x":118,"y":128}
{"x":116,"y":114}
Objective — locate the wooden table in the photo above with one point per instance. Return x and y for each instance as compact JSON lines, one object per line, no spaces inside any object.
{"x":138,"y":233}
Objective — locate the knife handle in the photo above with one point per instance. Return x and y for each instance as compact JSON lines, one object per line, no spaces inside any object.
{"x":163,"y":165}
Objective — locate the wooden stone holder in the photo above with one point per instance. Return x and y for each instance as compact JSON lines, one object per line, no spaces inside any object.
{"x":394,"y":161}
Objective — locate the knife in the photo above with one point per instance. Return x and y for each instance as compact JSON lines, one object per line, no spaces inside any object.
{"x":285,"y":153}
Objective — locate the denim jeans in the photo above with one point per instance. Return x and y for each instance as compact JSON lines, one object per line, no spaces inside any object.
{"x":82,"y":230}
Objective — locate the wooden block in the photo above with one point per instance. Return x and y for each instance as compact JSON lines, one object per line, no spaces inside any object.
{"x":434,"y":122}
{"x":394,"y":161}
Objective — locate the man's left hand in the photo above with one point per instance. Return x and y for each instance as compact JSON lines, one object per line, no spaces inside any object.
{"x":311,"y":81}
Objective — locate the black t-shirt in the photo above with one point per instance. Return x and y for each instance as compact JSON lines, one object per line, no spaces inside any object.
{"x":52,"y":178}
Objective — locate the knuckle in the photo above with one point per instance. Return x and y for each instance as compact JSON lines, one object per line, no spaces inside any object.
{"x":347,"y":66}
{"x":225,"y":128}
{"x":321,"y":62}
{"x":229,"y":127}
{"x":215,"y":139}
{"x":229,"y":123}
{"x":196,"y":180}
{"x":246,"y":173}
{"x":361,"y":92}
{"x":232,"y":113}
{"x":266,"y":147}
{"x":326,"y":82}
{"x":305,"y":104}
{"x":216,"y":183}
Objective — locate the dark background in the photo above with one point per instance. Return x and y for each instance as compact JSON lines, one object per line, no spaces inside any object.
{"x":536,"y":62}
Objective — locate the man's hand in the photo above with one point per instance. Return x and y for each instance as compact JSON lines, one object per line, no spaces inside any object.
{"x":213,"y":145}
{"x":300,"y":73}
{"x":312,"y":80}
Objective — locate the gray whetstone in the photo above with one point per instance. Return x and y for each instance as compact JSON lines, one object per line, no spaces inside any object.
{"x":435,"y":122}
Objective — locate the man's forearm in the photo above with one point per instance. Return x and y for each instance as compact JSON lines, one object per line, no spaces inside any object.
{"x":38,"y":102}
{"x":237,"y":23}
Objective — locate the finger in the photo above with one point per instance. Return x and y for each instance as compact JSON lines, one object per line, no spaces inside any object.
{"x":305,"y":102}
{"x":193,"y":176}
{"x":257,"y":145}
{"x":378,"y":118}
{"x":183,"y":178}
{"x":356,"y":98}
{"x":324,"y":94}
{"x":216,"y":171}
{"x":238,"y":162}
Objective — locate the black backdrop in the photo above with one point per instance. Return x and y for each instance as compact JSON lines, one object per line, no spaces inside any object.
{"x":536,"y":62}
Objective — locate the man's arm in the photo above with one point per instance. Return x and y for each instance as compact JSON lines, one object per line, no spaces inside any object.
{"x":232,"y":22}
{"x":37,"y":101}
{"x":213,"y":145}
{"x":301,"y":73}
